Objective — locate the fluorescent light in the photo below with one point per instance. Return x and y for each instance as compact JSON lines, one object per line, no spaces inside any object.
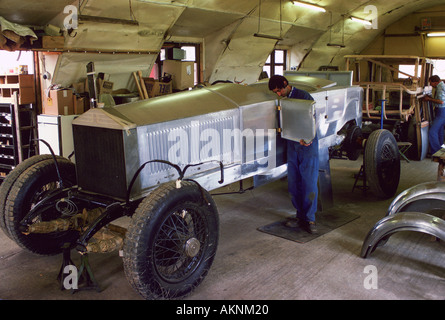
{"x":309,"y":6}
{"x":336,"y":45}
{"x":267,"y":36}
{"x":436,"y":34}
{"x":365,"y":22}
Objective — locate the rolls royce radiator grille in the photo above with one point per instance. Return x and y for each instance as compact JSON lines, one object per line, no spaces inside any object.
{"x":99,"y":160}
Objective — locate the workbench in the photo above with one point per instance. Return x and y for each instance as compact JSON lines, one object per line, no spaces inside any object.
{"x":439,"y":157}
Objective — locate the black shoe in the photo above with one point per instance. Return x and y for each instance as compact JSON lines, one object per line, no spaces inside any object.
{"x":313,"y":228}
{"x":309,"y":227}
{"x":292,"y":223}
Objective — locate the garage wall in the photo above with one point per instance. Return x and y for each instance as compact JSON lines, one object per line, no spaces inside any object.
{"x":407,"y":36}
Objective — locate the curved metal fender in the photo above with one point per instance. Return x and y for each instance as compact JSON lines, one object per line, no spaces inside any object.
{"x":403,"y":221}
{"x":428,"y":190}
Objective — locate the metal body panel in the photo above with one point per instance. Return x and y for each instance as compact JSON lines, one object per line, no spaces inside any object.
{"x":341,"y":78}
{"x":333,"y":108}
{"x":231,"y":123}
{"x":346,"y":104}
{"x":309,"y":84}
{"x":298,"y":119}
{"x":404,"y":221}
{"x":187,"y":104}
{"x":426,"y":196}
{"x":186,"y":141}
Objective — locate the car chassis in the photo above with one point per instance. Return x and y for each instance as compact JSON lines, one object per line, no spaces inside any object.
{"x":155,"y":161}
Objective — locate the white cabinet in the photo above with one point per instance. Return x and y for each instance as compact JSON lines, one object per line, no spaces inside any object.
{"x":57,"y":131}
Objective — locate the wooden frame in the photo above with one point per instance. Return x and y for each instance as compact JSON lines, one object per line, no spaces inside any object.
{"x":415,"y":86}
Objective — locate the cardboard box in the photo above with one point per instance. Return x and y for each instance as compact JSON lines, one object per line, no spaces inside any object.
{"x":104,"y":86}
{"x":183,"y":73}
{"x":79,"y":87}
{"x":101,"y":86}
{"x":79,"y":104}
{"x":59,"y":102}
{"x":156,"y":88}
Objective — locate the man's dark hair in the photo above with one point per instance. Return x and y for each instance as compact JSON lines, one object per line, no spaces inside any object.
{"x":434,"y":78}
{"x":277,"y":82}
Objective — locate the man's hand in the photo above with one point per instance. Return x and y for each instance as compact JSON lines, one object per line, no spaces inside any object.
{"x":428,"y":98}
{"x":304,"y":143}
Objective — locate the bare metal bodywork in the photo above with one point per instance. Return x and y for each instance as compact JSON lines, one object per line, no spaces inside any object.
{"x":425,"y":197}
{"x":403,"y":221}
{"x":122,"y":138}
{"x":420,"y":208}
{"x":156,"y":161}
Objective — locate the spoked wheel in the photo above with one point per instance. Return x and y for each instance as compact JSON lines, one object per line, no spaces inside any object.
{"x":171,"y":242}
{"x":10,"y":179}
{"x":382,"y":163}
{"x":31,"y":186}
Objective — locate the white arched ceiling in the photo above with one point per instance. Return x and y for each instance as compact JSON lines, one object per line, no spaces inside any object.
{"x":226,"y":28}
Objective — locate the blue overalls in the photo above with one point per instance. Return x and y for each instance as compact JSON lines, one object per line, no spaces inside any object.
{"x":436,"y":133}
{"x":302,"y":171}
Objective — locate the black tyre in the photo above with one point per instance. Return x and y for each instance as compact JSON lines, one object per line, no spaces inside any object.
{"x":171,"y":242}
{"x":382,"y":163}
{"x":31,"y":186}
{"x":353,"y":150}
{"x":10,"y":179}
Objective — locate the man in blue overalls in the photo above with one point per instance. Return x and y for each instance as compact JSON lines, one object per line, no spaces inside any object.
{"x":302,"y":164}
{"x":436,"y":132}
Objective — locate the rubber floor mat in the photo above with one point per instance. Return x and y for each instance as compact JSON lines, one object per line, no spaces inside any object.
{"x":326,"y":221}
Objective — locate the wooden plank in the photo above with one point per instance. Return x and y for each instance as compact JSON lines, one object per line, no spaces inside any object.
{"x":142,"y":83}
{"x":136,"y":79}
{"x":17,"y":126}
{"x":439,"y":155}
{"x":51,"y":42}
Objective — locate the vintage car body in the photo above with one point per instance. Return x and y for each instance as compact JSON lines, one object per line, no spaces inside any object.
{"x":122,"y":138}
{"x":156,"y":161}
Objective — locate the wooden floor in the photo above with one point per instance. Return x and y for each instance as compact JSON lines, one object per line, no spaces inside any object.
{"x":254,"y":265}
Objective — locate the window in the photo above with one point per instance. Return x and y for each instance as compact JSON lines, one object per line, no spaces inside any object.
{"x":439,"y":68}
{"x":406,"y":68}
{"x":11,"y":61}
{"x":276,"y":63}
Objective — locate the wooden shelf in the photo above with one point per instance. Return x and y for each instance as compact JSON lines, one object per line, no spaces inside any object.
{"x":17,"y":131}
{"x":23,"y":84}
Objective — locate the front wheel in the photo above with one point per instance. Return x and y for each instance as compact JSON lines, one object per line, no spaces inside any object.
{"x":31,"y":186}
{"x":9,"y":181}
{"x":171,"y":242}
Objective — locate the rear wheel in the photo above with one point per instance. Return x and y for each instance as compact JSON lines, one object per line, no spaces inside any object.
{"x":382,"y":163}
{"x":31,"y":186}
{"x":171,"y":242}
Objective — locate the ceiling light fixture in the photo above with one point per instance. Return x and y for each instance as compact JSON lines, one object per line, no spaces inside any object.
{"x":337,"y":45}
{"x":309,"y":6}
{"x":85,"y":18}
{"x":436,"y":34}
{"x":267,"y":36}
{"x":365,"y":22}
